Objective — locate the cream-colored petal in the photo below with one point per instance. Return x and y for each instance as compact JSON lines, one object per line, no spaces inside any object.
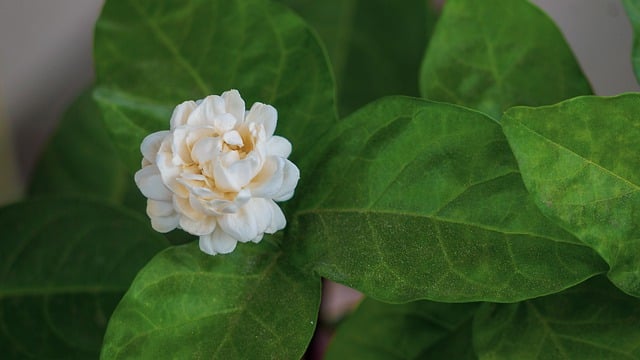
{"x":269,"y":180}
{"x":291,"y":177}
{"x":151,"y":145}
{"x":217,"y":243}
{"x":164,"y":224}
{"x":232,"y":138}
{"x":183,"y":206}
{"x":242,"y":225}
{"x":234,"y":104}
{"x":278,"y":221}
{"x":159,"y":208}
{"x":150,"y":183}
{"x":181,"y":114}
{"x":179,"y":148}
{"x":204,"y":113}
{"x":263,"y":114}
{"x":278,"y":146}
{"x":198,"y":227}
{"x":170,"y":173}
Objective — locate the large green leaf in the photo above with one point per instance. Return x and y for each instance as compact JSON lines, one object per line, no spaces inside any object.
{"x":422,"y":200}
{"x":81,"y":159}
{"x":633,"y":10}
{"x":250,"y":304}
{"x":591,"y":321}
{"x":369,"y":59}
{"x":579,"y":160}
{"x":64,"y":264}
{"x":494,"y":54}
{"x":409,"y":331}
{"x":152,"y":55}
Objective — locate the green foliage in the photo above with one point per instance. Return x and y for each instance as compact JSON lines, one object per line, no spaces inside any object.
{"x":633,"y":11}
{"x":494,"y":54}
{"x":579,"y":162}
{"x":379,"y":331}
{"x":433,"y":208}
{"x":251,"y":304}
{"x":64,"y":266}
{"x":152,"y":55}
{"x":375,"y":46}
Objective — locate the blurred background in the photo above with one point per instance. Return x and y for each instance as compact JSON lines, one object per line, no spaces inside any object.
{"x":45,"y":61}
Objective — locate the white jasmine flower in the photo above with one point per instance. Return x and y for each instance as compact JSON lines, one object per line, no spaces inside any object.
{"x":217,"y":172}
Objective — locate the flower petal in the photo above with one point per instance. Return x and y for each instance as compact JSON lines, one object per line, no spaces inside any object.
{"x":242,"y":225}
{"x":198,"y":227}
{"x":217,"y":243}
{"x":269,"y":180}
{"x":279,"y":146}
{"x":278,"y":221}
{"x":164,"y":224}
{"x":151,"y":145}
{"x":159,"y":208}
{"x":150,"y":183}
{"x":234,"y":104}
{"x":291,"y":177}
{"x":181,"y":114}
{"x":263,"y":114}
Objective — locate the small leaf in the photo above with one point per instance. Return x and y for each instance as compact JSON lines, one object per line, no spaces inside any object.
{"x":151,"y":56}
{"x":421,"y":200}
{"x":375,"y":46}
{"x":579,"y":160}
{"x":64,"y":264}
{"x":632,"y":8}
{"x":250,"y":304}
{"x":494,"y":54}
{"x":591,"y":321}
{"x":385,"y":331}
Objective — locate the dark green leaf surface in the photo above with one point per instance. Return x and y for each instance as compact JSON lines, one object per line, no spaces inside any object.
{"x":633,"y":11}
{"x":422,"y":200}
{"x":64,"y":264}
{"x":375,"y":46}
{"x":591,"y":321}
{"x":81,"y":160}
{"x":409,"y":331}
{"x":579,"y":160}
{"x":494,"y":54}
{"x":250,"y":304}
{"x":152,"y":55}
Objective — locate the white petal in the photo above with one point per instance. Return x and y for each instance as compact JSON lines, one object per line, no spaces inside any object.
{"x":164,"y":224}
{"x":263,"y":114}
{"x":151,"y":145}
{"x":198,"y":227}
{"x":242,"y":225}
{"x":231,"y":174}
{"x":278,"y":221}
{"x":234,"y":104}
{"x":224,"y":122}
{"x":159,"y":208}
{"x":233,"y":138}
{"x":181,"y":114}
{"x":217,"y":243}
{"x":183,"y":206}
{"x":179,"y":148}
{"x":150,"y":183}
{"x":170,"y":173}
{"x":291,"y":177}
{"x":205,"y":149}
{"x":279,"y":146}
{"x":269,"y":180}
{"x":204,"y":113}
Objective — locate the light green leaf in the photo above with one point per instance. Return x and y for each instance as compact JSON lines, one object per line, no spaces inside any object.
{"x":375,"y":46}
{"x":64,"y":264}
{"x":151,"y":56}
{"x":250,"y":304}
{"x":579,"y":160}
{"x":494,"y":54}
{"x":409,"y":331}
{"x":591,"y":321}
{"x":633,"y":11}
{"x":422,"y":200}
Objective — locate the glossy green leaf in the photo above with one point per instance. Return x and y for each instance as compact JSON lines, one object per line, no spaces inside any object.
{"x":591,"y":321}
{"x":579,"y":160}
{"x":64,"y":264}
{"x":422,"y":200}
{"x":152,"y":55}
{"x":81,"y":159}
{"x":494,"y":54}
{"x":375,"y":46}
{"x":633,"y":11}
{"x":250,"y":304}
{"x":408,"y":331}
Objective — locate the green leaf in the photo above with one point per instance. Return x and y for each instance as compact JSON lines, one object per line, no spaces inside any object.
{"x":250,"y":304}
{"x":81,"y":160}
{"x":375,"y":46}
{"x":579,"y":160}
{"x":591,"y":321}
{"x":151,"y":56}
{"x":64,"y":264}
{"x":409,"y":331}
{"x":422,"y":200}
{"x":633,"y":11}
{"x":494,"y":54}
